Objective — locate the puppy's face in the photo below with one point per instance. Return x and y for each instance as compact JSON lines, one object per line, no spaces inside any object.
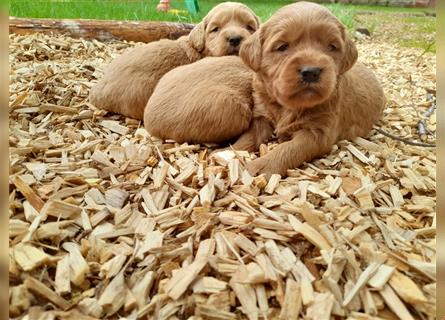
{"x":299,"y":54}
{"x":224,"y":28}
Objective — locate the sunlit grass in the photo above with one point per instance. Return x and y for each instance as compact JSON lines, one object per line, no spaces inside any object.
{"x":411,"y":19}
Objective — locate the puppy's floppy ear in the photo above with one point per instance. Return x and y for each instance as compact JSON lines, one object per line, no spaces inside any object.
{"x":197,"y":36}
{"x":250,"y":51}
{"x":350,"y":54}
{"x":257,"y":20}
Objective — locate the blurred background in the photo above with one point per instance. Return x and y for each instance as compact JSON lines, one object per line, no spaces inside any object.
{"x":409,"y":23}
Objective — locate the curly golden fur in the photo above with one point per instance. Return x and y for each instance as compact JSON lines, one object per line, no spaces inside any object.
{"x":308,"y":88}
{"x":206,"y":101}
{"x":130,"y":79}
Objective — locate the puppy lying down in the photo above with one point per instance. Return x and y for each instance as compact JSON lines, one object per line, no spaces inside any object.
{"x":206,"y":101}
{"x":308,"y":91}
{"x":130,"y":79}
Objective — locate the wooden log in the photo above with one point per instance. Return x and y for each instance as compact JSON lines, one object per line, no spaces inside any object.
{"x":102,"y":30}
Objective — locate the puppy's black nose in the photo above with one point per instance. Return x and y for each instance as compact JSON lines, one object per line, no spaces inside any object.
{"x":310,"y":74}
{"x":235,"y":41}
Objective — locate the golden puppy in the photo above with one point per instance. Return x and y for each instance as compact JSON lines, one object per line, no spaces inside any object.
{"x":307,"y":89}
{"x":130,"y":79}
{"x":206,"y":101}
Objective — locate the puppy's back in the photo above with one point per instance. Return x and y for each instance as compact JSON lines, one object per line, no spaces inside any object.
{"x":207,"y":101}
{"x":363,"y":101}
{"x":130,"y":79}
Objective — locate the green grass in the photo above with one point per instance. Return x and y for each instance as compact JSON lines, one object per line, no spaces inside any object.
{"x":144,"y":10}
{"x":344,"y":13}
{"x":415,"y":31}
{"x":93,"y":9}
{"x":363,"y":7}
{"x":125,"y":10}
{"x":419,"y":33}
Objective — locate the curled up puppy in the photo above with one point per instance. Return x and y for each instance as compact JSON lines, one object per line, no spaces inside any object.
{"x":130,"y":79}
{"x":206,"y":101}
{"x":308,"y":89}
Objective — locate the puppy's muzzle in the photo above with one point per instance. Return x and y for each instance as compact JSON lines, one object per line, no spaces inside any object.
{"x":310,"y":74}
{"x":235,"y":41}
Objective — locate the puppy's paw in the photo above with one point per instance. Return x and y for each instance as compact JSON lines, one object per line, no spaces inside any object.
{"x":254,"y":167}
{"x":245,"y":145}
{"x":262,"y":165}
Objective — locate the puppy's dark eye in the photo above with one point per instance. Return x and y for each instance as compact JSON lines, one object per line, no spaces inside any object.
{"x":215,"y":29}
{"x":332,"y":47}
{"x":250,"y":28}
{"x":283,"y":47}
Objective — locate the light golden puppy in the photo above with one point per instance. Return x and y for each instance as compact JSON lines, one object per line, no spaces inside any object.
{"x":206,"y":101}
{"x":130,"y":79}
{"x":307,"y":88}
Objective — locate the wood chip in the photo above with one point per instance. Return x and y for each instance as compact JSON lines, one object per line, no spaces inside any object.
{"x":28,"y":193}
{"x":321,"y":309}
{"x":361,"y":281}
{"x":406,"y":289}
{"x":41,"y":289}
{"x":274,"y":180}
{"x":60,"y":209}
{"x":63,"y":276}
{"x":114,"y":126}
{"x":309,"y":233}
{"x":113,"y":297}
{"x":395,"y":304}
{"x":180,"y":281}
{"x":381,"y":277}
{"x":292,"y":301}
{"x":29,"y":257}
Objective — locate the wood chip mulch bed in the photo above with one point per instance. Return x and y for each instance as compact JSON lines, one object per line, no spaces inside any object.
{"x":106,"y":222}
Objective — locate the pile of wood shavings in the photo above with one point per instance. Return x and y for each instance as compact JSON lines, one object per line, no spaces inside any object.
{"x":108,"y":222}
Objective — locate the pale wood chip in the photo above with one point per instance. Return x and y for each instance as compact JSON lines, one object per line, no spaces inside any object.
{"x":361,"y":281}
{"x":211,"y":313}
{"x":28,"y":193}
{"x":179,"y":283}
{"x":274,"y":180}
{"x":307,"y":291}
{"x":60,"y":209}
{"x":358,"y":154}
{"x":78,"y":265}
{"x":309,"y":233}
{"x":292,"y":301}
{"x":29,"y":257}
{"x":275,"y":256}
{"x":381,"y":277}
{"x":63,"y":276}
{"x":19,"y":300}
{"x":321,"y":309}
{"x":394,"y":303}
{"x":208,"y":285}
{"x":41,"y":289}
{"x":112,"y":267}
{"x":141,"y":289}
{"x":245,"y":244}
{"x":90,"y":306}
{"x":247,"y":297}
{"x":116,"y":197}
{"x":114,"y":126}
{"x":113,"y":297}
{"x":406,"y":288}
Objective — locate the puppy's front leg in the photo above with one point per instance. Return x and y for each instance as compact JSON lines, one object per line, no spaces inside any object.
{"x":304,"y":146}
{"x":259,"y":132}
